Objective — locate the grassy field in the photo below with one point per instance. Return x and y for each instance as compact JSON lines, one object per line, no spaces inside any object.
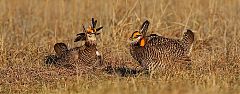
{"x":30,"y":28}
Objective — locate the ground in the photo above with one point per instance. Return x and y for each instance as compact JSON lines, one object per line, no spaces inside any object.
{"x":30,"y":28}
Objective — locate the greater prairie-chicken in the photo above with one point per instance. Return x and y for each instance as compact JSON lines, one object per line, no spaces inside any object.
{"x":84,"y":56}
{"x":154,"y":51}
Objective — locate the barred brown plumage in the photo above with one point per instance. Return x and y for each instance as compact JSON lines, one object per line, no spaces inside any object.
{"x":154,"y":51}
{"x":86,"y":56}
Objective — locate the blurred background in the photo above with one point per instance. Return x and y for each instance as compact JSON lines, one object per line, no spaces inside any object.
{"x":30,"y":28}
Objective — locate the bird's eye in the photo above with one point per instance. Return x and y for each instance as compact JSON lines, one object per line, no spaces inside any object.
{"x":137,"y":36}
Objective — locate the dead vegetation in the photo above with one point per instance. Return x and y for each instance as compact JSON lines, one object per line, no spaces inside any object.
{"x":30,"y":28}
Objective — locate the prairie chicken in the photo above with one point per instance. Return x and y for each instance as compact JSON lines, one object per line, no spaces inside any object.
{"x":154,"y":51}
{"x":85,"y":56}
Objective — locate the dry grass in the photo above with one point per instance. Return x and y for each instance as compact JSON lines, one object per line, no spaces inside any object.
{"x":30,"y":28}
